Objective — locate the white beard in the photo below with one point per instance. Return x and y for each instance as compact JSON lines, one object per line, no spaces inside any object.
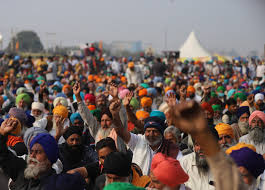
{"x":103,"y":133}
{"x":33,"y":171}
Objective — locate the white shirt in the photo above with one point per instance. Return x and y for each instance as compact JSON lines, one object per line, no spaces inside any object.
{"x":142,"y":152}
{"x":196,"y":181}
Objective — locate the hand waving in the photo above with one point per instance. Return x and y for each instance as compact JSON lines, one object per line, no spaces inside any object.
{"x":115,"y":107}
{"x":127,"y":99}
{"x":7,"y":126}
{"x":113,"y":91}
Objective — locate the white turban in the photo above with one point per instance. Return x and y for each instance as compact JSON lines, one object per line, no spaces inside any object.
{"x":258,"y":97}
{"x":37,"y":106}
{"x":62,"y":100}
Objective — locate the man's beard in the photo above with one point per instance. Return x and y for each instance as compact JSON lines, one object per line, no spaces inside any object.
{"x":201,"y":163}
{"x":74,"y":153}
{"x":37,"y":118}
{"x":33,"y":171}
{"x":154,"y":141}
{"x":244,"y":127}
{"x":103,"y":133}
{"x":257,"y":134}
{"x":101,"y":106}
{"x":227,"y":145}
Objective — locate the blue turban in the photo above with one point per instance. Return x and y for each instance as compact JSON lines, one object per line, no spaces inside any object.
{"x":230,"y":93}
{"x":155,"y":122}
{"x":241,"y":110}
{"x":249,"y":159}
{"x":75,"y":116}
{"x":157,"y":113}
{"x":48,"y":144}
{"x":81,"y":94}
{"x":151,"y":91}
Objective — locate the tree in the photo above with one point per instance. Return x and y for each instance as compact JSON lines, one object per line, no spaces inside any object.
{"x":25,"y":41}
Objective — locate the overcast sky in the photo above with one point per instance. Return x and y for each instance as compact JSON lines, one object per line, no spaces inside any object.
{"x":218,"y":24}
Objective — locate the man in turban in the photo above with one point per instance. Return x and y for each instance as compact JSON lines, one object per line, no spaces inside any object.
{"x":243,"y":115}
{"x":167,"y":172}
{"x":23,"y":101}
{"x":259,"y":101}
{"x":250,"y":164}
{"x":37,"y":110}
{"x":208,"y":111}
{"x":36,"y":172}
{"x":226,"y":135}
{"x":134,"y":74}
{"x":98,"y":130}
{"x":146,"y":104}
{"x":256,"y":135}
{"x":230,"y":116}
{"x":90,"y":99}
{"x":73,"y":153}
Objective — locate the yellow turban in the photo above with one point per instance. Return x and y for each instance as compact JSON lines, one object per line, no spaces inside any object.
{"x":17,"y":131}
{"x":142,"y":115}
{"x":61,"y":111}
{"x":146,"y":102}
{"x":239,"y":146}
{"x":224,"y":129}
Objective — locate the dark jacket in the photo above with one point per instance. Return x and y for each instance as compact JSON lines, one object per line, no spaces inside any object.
{"x":14,"y":168}
{"x":71,"y":160}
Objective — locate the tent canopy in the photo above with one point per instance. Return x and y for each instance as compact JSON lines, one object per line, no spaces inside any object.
{"x":192,"y":48}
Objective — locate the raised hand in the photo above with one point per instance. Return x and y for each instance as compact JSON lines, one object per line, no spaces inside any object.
{"x":171,"y":100}
{"x":127,"y":99}
{"x":8,"y":125}
{"x":250,"y":99}
{"x":189,"y":117}
{"x":113,"y":90}
{"x":60,"y":127}
{"x":77,"y":88}
{"x":115,"y":107}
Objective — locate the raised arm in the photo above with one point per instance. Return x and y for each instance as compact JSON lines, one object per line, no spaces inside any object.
{"x":88,"y":118}
{"x":115,"y":107}
{"x":189,"y":118}
{"x":131,"y":116}
{"x":10,"y":164}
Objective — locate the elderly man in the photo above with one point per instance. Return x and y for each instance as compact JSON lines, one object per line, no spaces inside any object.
{"x":167,"y":173}
{"x":259,"y":101}
{"x":226,"y":135}
{"x":103,"y":129}
{"x":37,"y":110}
{"x":37,"y":172}
{"x":144,"y":147}
{"x":73,"y":153}
{"x":243,"y":114}
{"x":256,"y":135}
{"x":250,"y":164}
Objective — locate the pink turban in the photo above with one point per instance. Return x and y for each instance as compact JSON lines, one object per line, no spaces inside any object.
{"x":259,"y":114}
{"x":168,"y":170}
{"x":123,"y":93}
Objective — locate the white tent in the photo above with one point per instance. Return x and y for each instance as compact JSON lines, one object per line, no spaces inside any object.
{"x":192,"y":48}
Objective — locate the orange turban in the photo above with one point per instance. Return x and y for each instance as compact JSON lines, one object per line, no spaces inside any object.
{"x":142,"y":115}
{"x":130,"y":64}
{"x":146,"y":102}
{"x":167,"y":89}
{"x":123,"y":79}
{"x":90,"y":78}
{"x":61,"y":111}
{"x":224,"y":129}
{"x":239,"y":146}
{"x":191,"y":89}
{"x":91,"y":107}
{"x":67,"y":86}
{"x":168,"y":170}
{"x":98,"y":80}
{"x":142,"y":92}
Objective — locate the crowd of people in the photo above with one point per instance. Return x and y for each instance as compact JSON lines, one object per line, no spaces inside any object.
{"x":147,"y":122}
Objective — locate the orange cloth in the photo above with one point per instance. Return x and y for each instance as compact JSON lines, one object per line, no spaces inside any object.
{"x":139,"y":180}
{"x":123,"y":79}
{"x":142,"y":115}
{"x":146,"y":102}
{"x":61,"y":111}
{"x":13,"y":140}
{"x":168,"y":170}
{"x":91,"y":107}
{"x":239,"y":146}
{"x":67,"y":86}
{"x":224,"y":129}
{"x":142,"y":92}
{"x":207,"y":106}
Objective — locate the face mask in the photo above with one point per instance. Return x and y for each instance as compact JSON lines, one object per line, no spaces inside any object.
{"x":220,"y":94}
